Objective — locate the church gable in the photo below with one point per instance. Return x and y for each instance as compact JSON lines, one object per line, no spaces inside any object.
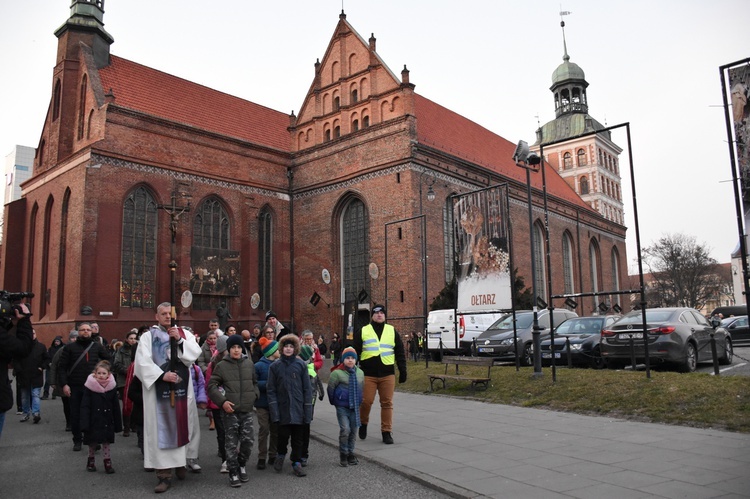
{"x":352,"y":89}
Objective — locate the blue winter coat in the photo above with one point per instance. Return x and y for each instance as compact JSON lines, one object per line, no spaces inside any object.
{"x":289,"y":391}
{"x":338,"y":386}
{"x":261,"y":371}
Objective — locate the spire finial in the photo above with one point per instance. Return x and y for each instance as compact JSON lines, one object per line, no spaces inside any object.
{"x":566,"y":57}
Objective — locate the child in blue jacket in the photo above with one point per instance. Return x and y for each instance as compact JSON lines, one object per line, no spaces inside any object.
{"x":345,"y":393}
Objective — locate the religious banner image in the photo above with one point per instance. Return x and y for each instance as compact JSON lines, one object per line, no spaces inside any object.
{"x":215,"y":272}
{"x":481,"y":225}
{"x":739,"y":85}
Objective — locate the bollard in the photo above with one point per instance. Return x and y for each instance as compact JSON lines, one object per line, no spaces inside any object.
{"x":632,"y":352}
{"x":570,"y":355}
{"x":714,"y":356}
{"x":474,"y":347}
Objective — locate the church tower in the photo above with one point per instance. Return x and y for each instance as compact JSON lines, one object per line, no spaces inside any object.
{"x":590,"y":165}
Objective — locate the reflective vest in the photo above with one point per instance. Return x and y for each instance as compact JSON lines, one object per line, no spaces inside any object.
{"x":311,"y":370}
{"x":372,"y":347}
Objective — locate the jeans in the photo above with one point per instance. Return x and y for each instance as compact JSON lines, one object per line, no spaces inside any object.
{"x":2,"y":422}
{"x":30,"y":400}
{"x":347,"y":429}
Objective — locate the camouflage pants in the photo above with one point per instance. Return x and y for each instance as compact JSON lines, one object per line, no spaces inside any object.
{"x":239,"y":438}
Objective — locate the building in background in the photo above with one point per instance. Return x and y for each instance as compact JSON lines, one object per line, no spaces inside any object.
{"x":264,"y":210}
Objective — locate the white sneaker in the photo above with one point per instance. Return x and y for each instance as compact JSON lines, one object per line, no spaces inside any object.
{"x":192,"y":465}
{"x":224,"y":468}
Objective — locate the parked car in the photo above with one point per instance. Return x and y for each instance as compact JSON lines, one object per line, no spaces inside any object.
{"x":738,"y":329}
{"x":584,"y":335}
{"x":440,"y":327}
{"x":679,"y":336}
{"x":497,"y":341}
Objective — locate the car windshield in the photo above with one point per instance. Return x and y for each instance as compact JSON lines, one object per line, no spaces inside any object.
{"x":653,"y":315}
{"x":580,"y":326}
{"x":523,"y":321}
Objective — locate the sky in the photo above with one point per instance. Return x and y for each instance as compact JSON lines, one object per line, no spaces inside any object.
{"x":651,"y":63}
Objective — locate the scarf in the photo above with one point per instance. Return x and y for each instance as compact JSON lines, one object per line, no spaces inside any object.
{"x":171,"y":422}
{"x":354,"y":394}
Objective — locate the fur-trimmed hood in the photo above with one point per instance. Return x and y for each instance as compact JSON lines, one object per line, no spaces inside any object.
{"x":289,"y":338}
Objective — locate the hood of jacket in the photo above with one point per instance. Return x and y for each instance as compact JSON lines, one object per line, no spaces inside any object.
{"x":289,"y":338}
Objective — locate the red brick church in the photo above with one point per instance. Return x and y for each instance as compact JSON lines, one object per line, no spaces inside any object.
{"x":262,"y":210}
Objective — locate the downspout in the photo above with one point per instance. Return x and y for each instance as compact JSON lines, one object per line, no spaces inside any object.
{"x":290,"y":177}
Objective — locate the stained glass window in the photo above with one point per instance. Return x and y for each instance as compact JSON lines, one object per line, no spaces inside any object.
{"x":138,"y":273}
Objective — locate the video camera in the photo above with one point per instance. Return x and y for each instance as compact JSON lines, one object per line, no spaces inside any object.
{"x":9,"y":302}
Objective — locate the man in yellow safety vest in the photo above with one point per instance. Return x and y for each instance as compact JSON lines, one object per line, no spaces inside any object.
{"x":379,"y":347}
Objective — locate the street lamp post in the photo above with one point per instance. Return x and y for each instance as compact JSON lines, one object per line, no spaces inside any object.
{"x":531,"y":161}
{"x":430,"y":197}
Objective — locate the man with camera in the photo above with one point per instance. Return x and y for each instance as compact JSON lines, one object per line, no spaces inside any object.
{"x":77,"y":361}
{"x":12,"y":347}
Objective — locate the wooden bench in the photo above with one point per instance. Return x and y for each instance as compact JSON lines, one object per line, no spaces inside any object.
{"x":464,"y":361}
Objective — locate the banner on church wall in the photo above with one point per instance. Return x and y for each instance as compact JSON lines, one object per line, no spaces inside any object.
{"x":214,"y":272}
{"x":739,"y":84}
{"x":482,"y":247}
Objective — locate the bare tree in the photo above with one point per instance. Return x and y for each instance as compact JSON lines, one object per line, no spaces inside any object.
{"x":683,"y":272}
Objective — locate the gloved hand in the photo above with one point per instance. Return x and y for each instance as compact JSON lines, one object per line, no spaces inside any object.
{"x":402,"y":377}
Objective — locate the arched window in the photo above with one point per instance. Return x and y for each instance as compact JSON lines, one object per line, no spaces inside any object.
{"x":581,"y":157}
{"x":365,"y":121}
{"x":82,"y":107}
{"x":336,"y":103}
{"x":584,"y":183}
{"x":62,"y":252}
{"x":567,"y":161}
{"x":336,"y":132}
{"x":594,"y":266}
{"x":88,"y":129}
{"x":211,"y":225}
{"x":265,"y":258}
{"x":567,"y":254}
{"x":355,"y":125}
{"x":540,"y":277}
{"x":138,"y":254}
{"x":448,"y":238}
{"x":354,"y":96}
{"x":32,"y":248}
{"x":327,"y":135}
{"x":56,"y":102}
{"x":354,"y":249}
{"x":45,"y":297}
{"x":616,"y":272}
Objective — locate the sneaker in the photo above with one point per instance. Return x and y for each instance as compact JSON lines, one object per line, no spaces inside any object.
{"x":297,"y":468}
{"x":192,"y":465}
{"x":25,"y":418}
{"x":352,"y":460}
{"x":303,"y":462}
{"x":261,"y":464}
{"x":234,"y":480}
{"x":224,"y":468}
{"x":19,"y":413}
{"x":243,"y":475}
{"x":37,"y":418}
{"x":342,"y":460}
{"x":363,"y":432}
{"x":279,"y":463}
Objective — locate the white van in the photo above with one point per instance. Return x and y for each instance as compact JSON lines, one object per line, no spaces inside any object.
{"x":440,"y":326}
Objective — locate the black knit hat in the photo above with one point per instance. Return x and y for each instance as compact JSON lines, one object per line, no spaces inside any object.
{"x":378,"y":308}
{"x":235,"y":339}
{"x":270,"y":314}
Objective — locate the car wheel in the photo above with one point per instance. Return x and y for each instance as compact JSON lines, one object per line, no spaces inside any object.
{"x":691,"y":360}
{"x":527,"y":357}
{"x":728,"y":355}
{"x":597,"y":361}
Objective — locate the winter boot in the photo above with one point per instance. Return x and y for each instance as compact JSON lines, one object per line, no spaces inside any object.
{"x":352,"y":460}
{"x":279,"y":462}
{"x":387,"y":437}
{"x":342,"y":460}
{"x":90,"y":465}
{"x":108,"y":466}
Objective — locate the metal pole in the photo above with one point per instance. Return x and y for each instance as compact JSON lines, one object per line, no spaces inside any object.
{"x":536,"y":331}
{"x":550,"y":306}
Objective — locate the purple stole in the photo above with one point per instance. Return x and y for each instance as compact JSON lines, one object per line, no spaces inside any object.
{"x":171,"y":422}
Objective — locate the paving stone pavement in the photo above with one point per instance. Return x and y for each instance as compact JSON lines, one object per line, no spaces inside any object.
{"x":468,"y":448}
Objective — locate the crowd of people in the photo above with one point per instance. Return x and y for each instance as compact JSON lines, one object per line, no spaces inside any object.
{"x":159,"y":380}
